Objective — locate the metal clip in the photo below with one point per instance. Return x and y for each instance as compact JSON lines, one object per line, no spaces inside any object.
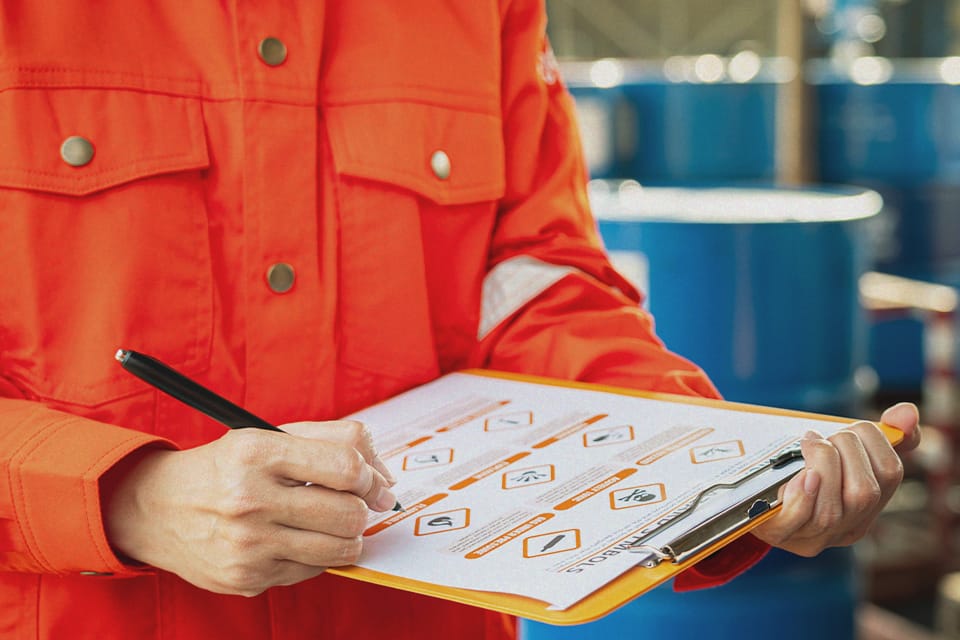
{"x":721,"y":525}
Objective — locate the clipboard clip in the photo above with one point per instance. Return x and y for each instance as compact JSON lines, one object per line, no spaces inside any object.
{"x":725,"y":523}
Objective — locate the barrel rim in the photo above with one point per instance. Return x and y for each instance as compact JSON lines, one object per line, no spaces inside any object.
{"x":631,"y":201}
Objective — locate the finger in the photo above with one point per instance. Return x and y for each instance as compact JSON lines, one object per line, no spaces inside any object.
{"x":315,"y":549}
{"x":347,"y":432}
{"x":341,"y":467}
{"x":886,"y":464}
{"x":319,"y":509}
{"x":822,"y":457}
{"x":906,"y":417}
{"x":799,"y":498}
{"x":306,"y":460}
{"x":860,"y":488}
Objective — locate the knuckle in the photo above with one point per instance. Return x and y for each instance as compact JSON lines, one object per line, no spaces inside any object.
{"x":824,"y":448}
{"x":355,"y":430}
{"x":863,"y":426}
{"x":826,"y":520}
{"x":890,"y":473}
{"x":845,"y":434}
{"x":240,"y":502}
{"x":866,"y":497}
{"x":248,"y":448}
{"x":349,"y":551}
{"x":351,"y":465}
{"x":241,"y":541}
{"x":355,"y":517}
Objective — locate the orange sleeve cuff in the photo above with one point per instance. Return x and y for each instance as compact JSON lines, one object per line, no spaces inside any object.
{"x":722,"y":566}
{"x":53,"y":479}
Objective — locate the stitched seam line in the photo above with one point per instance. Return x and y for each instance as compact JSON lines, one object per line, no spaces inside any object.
{"x":92,"y":503}
{"x":16,"y":483}
{"x":146,"y":164}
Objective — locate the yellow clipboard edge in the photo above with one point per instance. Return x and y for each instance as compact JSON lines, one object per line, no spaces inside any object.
{"x":623,"y":589}
{"x":605,"y":600}
{"x":895,"y":436}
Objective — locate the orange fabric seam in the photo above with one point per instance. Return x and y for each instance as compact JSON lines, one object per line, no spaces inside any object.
{"x":92,"y":502}
{"x":32,"y":444}
{"x":142,"y":165}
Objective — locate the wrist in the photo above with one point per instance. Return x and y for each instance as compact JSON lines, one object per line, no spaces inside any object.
{"x":123,"y":490}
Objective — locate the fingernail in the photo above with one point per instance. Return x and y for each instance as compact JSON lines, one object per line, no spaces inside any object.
{"x":812,"y":435}
{"x":385,"y":500}
{"x":901,"y":407}
{"x":811,"y":482}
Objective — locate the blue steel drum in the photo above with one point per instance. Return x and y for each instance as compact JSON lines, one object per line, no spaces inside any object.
{"x":783,"y":597}
{"x":683,"y":120}
{"x":894,"y":126}
{"x":759,"y":286}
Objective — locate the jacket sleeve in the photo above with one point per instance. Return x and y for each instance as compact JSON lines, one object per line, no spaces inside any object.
{"x":552,"y":304}
{"x":51,"y":468}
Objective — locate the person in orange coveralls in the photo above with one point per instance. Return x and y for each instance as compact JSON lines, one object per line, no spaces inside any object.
{"x":308,"y":207}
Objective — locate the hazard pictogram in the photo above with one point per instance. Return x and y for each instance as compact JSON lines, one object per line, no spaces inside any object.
{"x":717,"y":451}
{"x":508,"y":421}
{"x":528,"y":477}
{"x":611,"y":435}
{"x":426,"y":459}
{"x":547,"y":544}
{"x":442,"y":521}
{"x":639,"y":496}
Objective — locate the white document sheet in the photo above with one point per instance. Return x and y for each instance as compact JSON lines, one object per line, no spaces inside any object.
{"x":539,"y":490}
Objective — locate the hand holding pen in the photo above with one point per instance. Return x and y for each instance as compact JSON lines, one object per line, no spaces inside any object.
{"x":253,"y":509}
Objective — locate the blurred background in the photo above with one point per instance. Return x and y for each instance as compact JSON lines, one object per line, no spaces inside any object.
{"x":782,"y":179}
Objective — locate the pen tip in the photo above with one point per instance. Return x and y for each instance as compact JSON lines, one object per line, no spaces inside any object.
{"x":398,"y":507}
{"x":121,"y":355}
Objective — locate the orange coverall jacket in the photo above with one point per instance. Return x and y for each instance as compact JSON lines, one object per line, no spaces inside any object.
{"x":387,"y":192}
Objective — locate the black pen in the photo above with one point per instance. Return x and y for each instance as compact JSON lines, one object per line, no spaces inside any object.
{"x":174,"y":383}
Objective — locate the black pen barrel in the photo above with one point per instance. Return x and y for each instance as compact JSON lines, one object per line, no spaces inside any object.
{"x":186,"y":390}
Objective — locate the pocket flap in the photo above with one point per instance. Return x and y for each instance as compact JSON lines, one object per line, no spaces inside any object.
{"x":132,"y":134}
{"x":407,"y":144}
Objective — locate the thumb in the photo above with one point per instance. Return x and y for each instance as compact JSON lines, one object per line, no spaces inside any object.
{"x":906,"y":417}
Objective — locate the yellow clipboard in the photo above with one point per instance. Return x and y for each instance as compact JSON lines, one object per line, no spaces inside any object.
{"x":636,"y":581}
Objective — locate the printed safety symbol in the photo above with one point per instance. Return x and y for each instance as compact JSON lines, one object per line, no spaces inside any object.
{"x":718,"y":451}
{"x":611,"y":435}
{"x":639,"y":496}
{"x":528,"y":477}
{"x":442,"y":521}
{"x":508,"y":421}
{"x":547,"y":544}
{"x":425,"y":459}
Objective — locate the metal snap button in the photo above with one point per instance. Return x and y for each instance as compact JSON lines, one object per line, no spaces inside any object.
{"x":280,"y":277}
{"x":76,"y":151}
{"x":440,"y":163}
{"x":272,"y":51}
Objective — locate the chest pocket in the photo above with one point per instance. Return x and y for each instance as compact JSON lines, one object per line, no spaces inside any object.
{"x":104,"y":239}
{"x":417,"y":186}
